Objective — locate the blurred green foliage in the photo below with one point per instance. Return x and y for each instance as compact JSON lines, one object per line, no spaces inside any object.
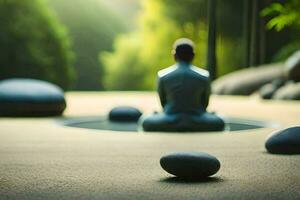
{"x":285,"y":16}
{"x":126,"y":9}
{"x":92,"y":27}
{"x":33,"y":44}
{"x":140,"y":54}
{"x":287,"y":50}
{"x":231,"y":32}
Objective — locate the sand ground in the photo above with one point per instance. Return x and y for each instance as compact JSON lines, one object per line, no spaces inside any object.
{"x":40,"y":159}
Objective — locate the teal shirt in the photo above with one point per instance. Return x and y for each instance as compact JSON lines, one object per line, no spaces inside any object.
{"x":184,"y":88}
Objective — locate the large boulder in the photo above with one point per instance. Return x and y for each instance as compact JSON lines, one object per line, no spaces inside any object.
{"x":290,"y":91}
{"x":29,"y":97}
{"x":267,"y":91}
{"x":247,"y":81}
{"x":292,"y":67}
{"x":287,"y":88}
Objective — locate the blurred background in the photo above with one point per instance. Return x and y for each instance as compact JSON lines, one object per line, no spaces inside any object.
{"x":103,"y":45}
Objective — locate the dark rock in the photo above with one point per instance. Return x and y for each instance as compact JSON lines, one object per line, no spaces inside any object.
{"x":292,"y":67}
{"x":268,"y":90}
{"x":247,"y":81}
{"x":290,"y":91}
{"x":124,"y":114}
{"x":190,"y":165}
{"x":286,"y":141}
{"x":29,"y":97}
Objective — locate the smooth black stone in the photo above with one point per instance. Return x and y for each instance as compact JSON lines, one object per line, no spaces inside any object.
{"x":286,"y":141}
{"x":190,"y":165}
{"x":29,"y":97}
{"x":124,"y":114}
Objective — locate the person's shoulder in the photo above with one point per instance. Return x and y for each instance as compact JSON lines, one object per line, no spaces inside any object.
{"x":202,"y":72}
{"x":166,"y":71}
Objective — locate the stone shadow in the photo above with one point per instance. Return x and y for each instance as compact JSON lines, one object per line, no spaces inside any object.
{"x":177,"y":180}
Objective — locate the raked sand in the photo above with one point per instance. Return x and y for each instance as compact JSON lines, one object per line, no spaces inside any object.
{"x":41,"y":159}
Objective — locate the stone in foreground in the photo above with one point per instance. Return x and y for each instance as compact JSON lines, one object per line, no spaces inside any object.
{"x":190,"y":165}
{"x":286,"y":141}
{"x":29,"y":97}
{"x":124,"y":114}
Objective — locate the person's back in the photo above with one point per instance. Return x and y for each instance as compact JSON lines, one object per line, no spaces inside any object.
{"x":184,"y":94}
{"x":187,"y":88}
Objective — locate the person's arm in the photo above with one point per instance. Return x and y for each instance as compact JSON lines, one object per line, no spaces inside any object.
{"x":207,"y":95}
{"x":161,"y":92}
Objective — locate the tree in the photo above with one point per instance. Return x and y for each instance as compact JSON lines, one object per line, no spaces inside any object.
{"x":92,"y":27}
{"x":33,"y":44}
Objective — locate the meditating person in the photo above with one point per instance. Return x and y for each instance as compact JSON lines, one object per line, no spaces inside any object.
{"x":184,"y":92}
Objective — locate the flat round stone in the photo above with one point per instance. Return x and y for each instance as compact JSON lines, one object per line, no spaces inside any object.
{"x":286,"y":141}
{"x":190,"y":165}
{"x":29,"y":97}
{"x":124,"y":114}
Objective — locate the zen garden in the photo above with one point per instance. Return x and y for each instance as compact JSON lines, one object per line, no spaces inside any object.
{"x":150,"y":99}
